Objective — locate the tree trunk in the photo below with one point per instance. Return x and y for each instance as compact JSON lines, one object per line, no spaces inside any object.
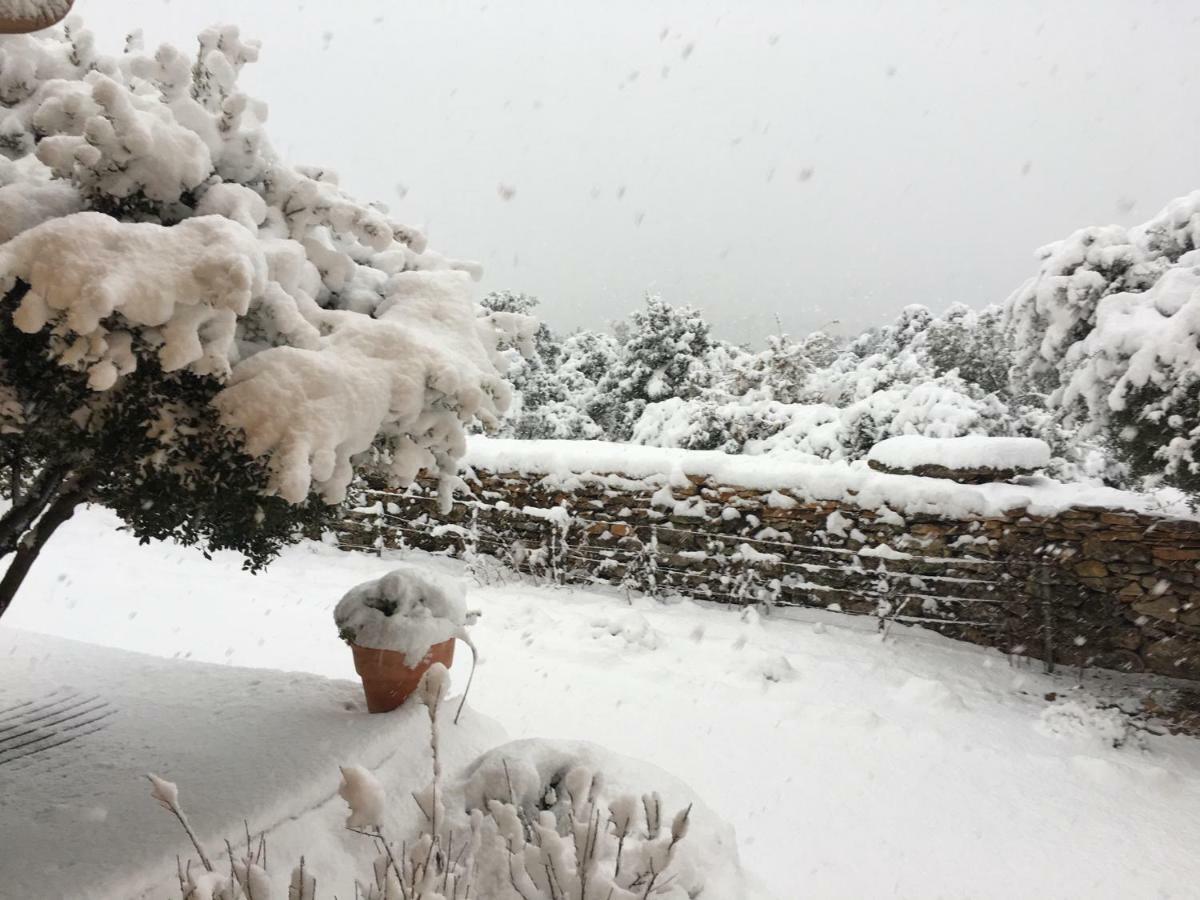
{"x":19,"y":517}
{"x":31,"y":543}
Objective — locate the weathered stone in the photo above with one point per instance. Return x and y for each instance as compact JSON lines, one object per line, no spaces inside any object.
{"x":1120,"y":660}
{"x":1173,"y":656}
{"x":1090,"y":568}
{"x":1131,"y":590}
{"x":1189,"y":617}
{"x":1127,"y":638}
{"x":963,"y":476}
{"x":1176,"y":553}
{"x":1163,"y":607}
{"x":1118,"y":518}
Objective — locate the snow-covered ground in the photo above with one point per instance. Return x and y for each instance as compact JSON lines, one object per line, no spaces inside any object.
{"x":76,"y":816}
{"x":850,"y":767}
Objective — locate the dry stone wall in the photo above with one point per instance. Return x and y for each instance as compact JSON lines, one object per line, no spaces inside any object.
{"x":1085,"y":587}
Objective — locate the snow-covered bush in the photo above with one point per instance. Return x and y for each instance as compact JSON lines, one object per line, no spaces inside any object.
{"x":662,"y":355}
{"x":942,"y":406}
{"x":194,"y":333}
{"x":974,"y":345}
{"x":550,"y":392}
{"x":1108,"y":330}
{"x":529,"y":820}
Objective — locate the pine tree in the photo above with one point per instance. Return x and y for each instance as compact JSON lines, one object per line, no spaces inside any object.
{"x":663,"y":349}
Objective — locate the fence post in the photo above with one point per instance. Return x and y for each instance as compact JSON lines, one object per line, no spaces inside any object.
{"x":1047,"y":635}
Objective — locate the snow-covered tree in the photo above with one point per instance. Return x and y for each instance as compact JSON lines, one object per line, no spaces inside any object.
{"x":194,"y":333}
{"x":663,"y":352}
{"x":973,"y":344}
{"x":549,"y":395}
{"x":1108,"y":330}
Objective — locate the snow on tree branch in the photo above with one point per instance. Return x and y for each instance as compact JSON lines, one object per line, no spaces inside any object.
{"x":147,"y":214}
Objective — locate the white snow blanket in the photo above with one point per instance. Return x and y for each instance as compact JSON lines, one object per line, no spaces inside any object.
{"x":974,"y":451}
{"x":850,"y":767}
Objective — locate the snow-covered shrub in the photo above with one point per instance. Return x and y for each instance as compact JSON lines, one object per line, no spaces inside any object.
{"x":1107,"y":329}
{"x":662,"y":355}
{"x":943,"y":406}
{"x":974,"y":345}
{"x":194,"y":333}
{"x":779,"y":372}
{"x":550,"y":392}
{"x":529,"y":820}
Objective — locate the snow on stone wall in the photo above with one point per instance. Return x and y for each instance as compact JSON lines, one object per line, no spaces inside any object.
{"x":1095,"y":585}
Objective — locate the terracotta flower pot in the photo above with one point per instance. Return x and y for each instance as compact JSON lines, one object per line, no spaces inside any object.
{"x":387,"y":677}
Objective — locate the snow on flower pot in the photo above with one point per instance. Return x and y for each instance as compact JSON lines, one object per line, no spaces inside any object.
{"x":398,"y":626}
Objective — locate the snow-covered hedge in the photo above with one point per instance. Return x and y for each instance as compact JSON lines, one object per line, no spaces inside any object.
{"x":1110,"y":326}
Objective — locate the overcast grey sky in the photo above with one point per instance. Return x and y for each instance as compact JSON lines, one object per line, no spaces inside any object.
{"x":809,"y":161}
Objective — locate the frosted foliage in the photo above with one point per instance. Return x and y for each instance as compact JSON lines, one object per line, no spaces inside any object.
{"x":180,"y":288}
{"x":567,"y":819}
{"x":142,"y":204}
{"x":942,"y":407}
{"x":1111,"y":323}
{"x":662,"y":355}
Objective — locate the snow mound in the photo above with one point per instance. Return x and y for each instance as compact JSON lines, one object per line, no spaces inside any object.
{"x":537,"y":776}
{"x":407,"y":610}
{"x":912,"y":451}
{"x":1089,"y":723}
{"x":630,"y":627}
{"x":255,"y":749}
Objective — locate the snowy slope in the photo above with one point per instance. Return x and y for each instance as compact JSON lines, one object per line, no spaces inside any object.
{"x":849,"y":767}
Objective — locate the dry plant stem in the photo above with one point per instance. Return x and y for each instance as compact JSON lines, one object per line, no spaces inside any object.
{"x":178,"y":813}
{"x":470,"y":678}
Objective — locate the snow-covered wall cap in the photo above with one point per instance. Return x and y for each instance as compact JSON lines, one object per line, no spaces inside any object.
{"x":975,"y":451}
{"x":854,"y":483}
